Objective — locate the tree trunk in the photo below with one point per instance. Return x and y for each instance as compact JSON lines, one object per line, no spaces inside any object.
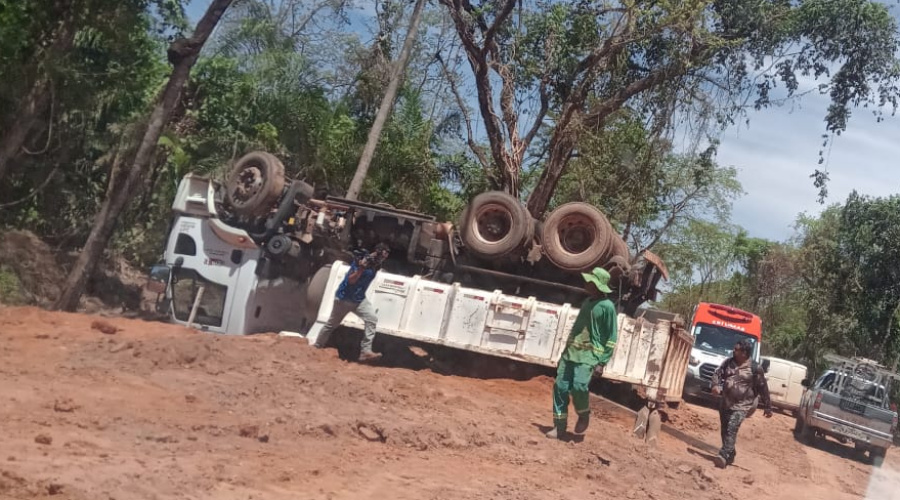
{"x":561,"y":145}
{"x":183,"y":54}
{"x":28,"y":114}
{"x":387,"y":104}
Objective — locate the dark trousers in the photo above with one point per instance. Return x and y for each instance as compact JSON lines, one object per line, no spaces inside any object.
{"x":730,"y":421}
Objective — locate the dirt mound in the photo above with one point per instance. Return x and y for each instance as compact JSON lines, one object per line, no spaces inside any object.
{"x":32,"y":273}
{"x":688,"y":419}
{"x":34,"y":265}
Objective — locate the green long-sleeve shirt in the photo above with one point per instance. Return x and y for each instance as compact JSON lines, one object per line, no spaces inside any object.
{"x":594,"y":333}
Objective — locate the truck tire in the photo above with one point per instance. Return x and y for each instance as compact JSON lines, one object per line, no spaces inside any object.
{"x":877,"y":455}
{"x":805,"y":434}
{"x":315,"y":292}
{"x":494,"y":224}
{"x":618,"y":248}
{"x":254,"y":184}
{"x":576,"y":237}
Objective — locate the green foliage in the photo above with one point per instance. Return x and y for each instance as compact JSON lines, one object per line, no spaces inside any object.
{"x":644,"y":189}
{"x":99,"y":88}
{"x":10,"y":288}
{"x":834,"y":288}
{"x":694,"y":63}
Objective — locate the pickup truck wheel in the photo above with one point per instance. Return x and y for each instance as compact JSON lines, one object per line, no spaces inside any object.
{"x":576,"y":236}
{"x":254,"y":184}
{"x":806,"y":434}
{"x":877,"y":455}
{"x":494,"y":224}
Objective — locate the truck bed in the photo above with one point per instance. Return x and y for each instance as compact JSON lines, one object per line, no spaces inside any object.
{"x":650,"y":354}
{"x":854,"y":418}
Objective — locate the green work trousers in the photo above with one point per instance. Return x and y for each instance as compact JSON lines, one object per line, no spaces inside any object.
{"x":571,"y":378}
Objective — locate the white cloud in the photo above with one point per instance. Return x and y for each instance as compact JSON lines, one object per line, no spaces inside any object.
{"x":778,"y":152}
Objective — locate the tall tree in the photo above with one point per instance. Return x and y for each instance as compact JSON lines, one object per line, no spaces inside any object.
{"x":46,"y":46}
{"x":56,"y":31}
{"x":387,"y":103}
{"x":569,"y":66}
{"x":183,"y":53}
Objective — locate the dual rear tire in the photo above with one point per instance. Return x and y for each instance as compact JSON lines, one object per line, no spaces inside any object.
{"x":574,"y":237}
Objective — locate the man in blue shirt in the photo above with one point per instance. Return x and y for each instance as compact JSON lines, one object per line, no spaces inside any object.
{"x":351,"y":297}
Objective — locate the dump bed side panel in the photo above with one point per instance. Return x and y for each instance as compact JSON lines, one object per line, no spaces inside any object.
{"x":490,"y":322}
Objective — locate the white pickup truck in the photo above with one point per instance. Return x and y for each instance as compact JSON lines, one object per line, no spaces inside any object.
{"x":850,"y":402}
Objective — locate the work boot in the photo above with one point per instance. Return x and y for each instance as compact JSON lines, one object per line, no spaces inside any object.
{"x":554,"y":434}
{"x":583,"y":421}
{"x":720,"y":461}
{"x":368,"y":356}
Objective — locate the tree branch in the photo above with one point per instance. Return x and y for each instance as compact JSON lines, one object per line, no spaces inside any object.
{"x":476,"y":149}
{"x":602,"y":110}
{"x":505,"y":11}
{"x":34,"y":191}
{"x":539,"y":119}
{"x":311,"y":14}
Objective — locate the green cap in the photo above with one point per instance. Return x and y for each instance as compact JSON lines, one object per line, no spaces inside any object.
{"x":600,"y":278}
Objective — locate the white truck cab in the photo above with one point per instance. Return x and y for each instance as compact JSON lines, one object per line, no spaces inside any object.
{"x":209,"y":278}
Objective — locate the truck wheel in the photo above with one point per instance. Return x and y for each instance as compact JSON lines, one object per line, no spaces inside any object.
{"x":576,"y":236}
{"x":494,"y":224}
{"x":806,"y":433}
{"x":877,"y":455}
{"x":254,"y":184}
{"x":619,"y":248}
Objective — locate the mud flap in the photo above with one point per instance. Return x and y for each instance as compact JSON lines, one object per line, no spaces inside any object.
{"x":653,"y":426}
{"x":647,"y":425}
{"x":640,"y":423}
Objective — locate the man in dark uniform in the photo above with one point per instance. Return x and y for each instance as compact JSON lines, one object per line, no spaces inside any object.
{"x":741,"y":383}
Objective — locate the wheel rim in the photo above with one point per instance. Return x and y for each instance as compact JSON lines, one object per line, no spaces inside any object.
{"x":249,"y":183}
{"x":493,"y":223}
{"x":576,"y":234}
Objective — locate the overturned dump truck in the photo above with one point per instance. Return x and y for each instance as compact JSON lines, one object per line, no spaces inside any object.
{"x":262,"y":253}
{"x":496,"y":243}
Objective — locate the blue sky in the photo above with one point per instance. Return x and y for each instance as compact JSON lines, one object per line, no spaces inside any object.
{"x":776,"y":153}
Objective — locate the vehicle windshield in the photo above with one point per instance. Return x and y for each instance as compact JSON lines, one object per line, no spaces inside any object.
{"x":718,"y":339}
{"x":186,"y":284}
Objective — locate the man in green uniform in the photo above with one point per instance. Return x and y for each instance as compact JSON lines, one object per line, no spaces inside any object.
{"x":590,"y":344}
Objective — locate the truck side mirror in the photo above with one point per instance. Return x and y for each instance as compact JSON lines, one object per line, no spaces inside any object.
{"x":158,"y":280}
{"x":765,"y":365}
{"x":805,"y":382}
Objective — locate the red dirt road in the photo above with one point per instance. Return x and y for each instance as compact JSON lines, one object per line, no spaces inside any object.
{"x":155,"y":411}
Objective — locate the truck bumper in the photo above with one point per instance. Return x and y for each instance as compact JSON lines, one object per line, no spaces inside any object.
{"x":847,"y":431}
{"x":698,"y":388}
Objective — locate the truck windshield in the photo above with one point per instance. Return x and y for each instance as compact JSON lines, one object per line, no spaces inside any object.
{"x":718,"y":339}
{"x":186,"y":284}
